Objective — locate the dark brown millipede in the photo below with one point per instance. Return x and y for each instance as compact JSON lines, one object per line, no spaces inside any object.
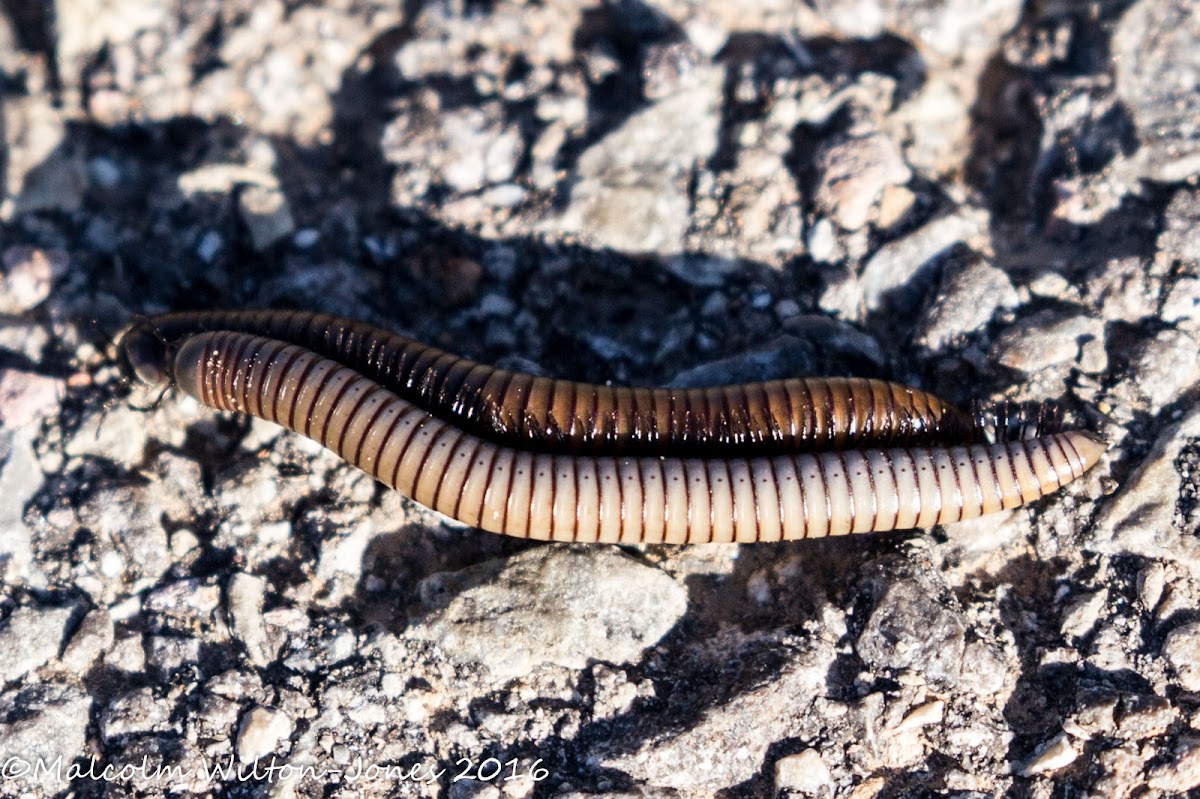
{"x":619,"y":499}
{"x":560,"y":416}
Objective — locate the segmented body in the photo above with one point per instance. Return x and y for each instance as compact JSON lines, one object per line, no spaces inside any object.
{"x":560,"y":416}
{"x":572,"y":497}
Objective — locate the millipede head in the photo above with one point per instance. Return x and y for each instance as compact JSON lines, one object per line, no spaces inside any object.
{"x":144,"y":354}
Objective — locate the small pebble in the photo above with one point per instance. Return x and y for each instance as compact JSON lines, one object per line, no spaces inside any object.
{"x":262,"y":731}
{"x":30,"y":637}
{"x":1051,"y":757}
{"x":1045,"y":339}
{"x":1182,"y":774}
{"x":853,"y":173}
{"x":1181,"y":648}
{"x":822,"y":241}
{"x":94,"y":636}
{"x":923,"y":715}
{"x":1150,"y":583}
{"x":306,"y":238}
{"x":209,"y":246}
{"x":104,"y":173}
{"x":28,"y":274}
{"x":804,"y":772}
{"x":1082,"y":613}
{"x":27,"y":396}
{"x":787,"y":309}
{"x":1182,"y":303}
{"x":266,"y":214}
{"x":244,"y":600}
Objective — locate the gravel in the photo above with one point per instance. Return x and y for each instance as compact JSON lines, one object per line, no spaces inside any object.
{"x":988,"y":200}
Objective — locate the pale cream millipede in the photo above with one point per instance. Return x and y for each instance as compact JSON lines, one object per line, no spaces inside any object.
{"x":615,"y":499}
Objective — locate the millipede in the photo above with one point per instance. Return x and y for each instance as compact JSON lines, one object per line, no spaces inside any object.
{"x":561,"y":416}
{"x":726,"y":494}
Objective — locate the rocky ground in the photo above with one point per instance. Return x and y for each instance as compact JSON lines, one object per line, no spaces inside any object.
{"x":988,"y":199}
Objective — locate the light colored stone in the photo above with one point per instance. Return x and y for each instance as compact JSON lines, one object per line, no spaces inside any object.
{"x":20,"y":479}
{"x":27,"y":396}
{"x":1123,"y":288}
{"x":171,"y":653}
{"x":550,"y":605}
{"x":25,"y":337}
{"x":1181,"y":648}
{"x":1080,"y":615}
{"x":84,"y":26}
{"x":183,"y":599}
{"x":138,"y":711}
{"x":949,"y":28}
{"x":1182,"y":303}
{"x":29,"y":638}
{"x":822,"y":241}
{"x":804,"y":772}
{"x":1046,"y":339}
{"x":1142,"y":716}
{"x":244,"y":597}
{"x":901,"y":749}
{"x":1094,"y":715}
{"x":478,"y":156}
{"x":93,"y":638}
{"x":614,"y":693}
{"x":1140,"y":518}
{"x":1056,"y":754}
{"x":1165,"y":366}
{"x":1183,"y":773}
{"x":729,"y":741}
{"x":923,"y":715}
{"x":41,"y":724}
{"x":988,"y":670}
{"x":266,"y":215}
{"x":466,"y":149}
{"x":899,"y":262}
{"x":1122,"y":769}
{"x":1177,"y":239}
{"x":935,"y":123}
{"x":127,"y":655}
{"x":1156,"y":60}
{"x":28,"y":275}
{"x":631,"y":189}
{"x":224,"y":178}
{"x":752,"y":211}
{"x":263,"y":731}
{"x":1150,"y":583}
{"x":895,"y":205}
{"x":274,"y":71}
{"x":39,"y":174}
{"x":968,"y":298}
{"x":118,"y":434}
{"x":853,"y":173}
